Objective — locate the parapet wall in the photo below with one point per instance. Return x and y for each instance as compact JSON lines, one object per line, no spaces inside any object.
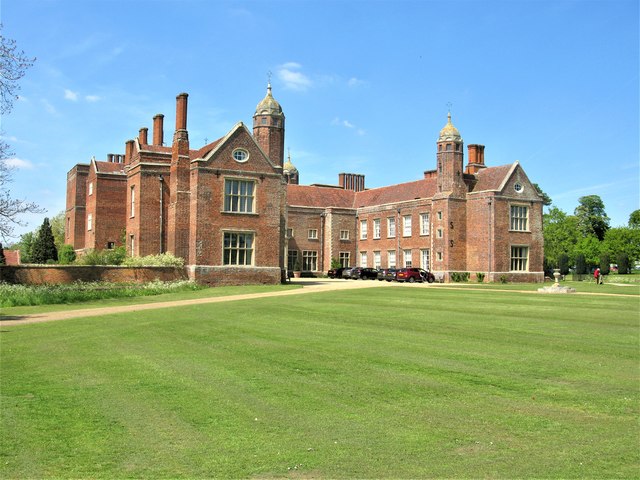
{"x":57,"y":274}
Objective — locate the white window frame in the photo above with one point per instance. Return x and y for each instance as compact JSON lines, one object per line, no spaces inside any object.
{"x":310,"y":260}
{"x":377,"y":260}
{"x":439,"y":257}
{"x":344,"y":234}
{"x":90,"y":188}
{"x":424,"y":224}
{"x":425,"y":259}
{"x":376,"y":228}
{"x":235,"y":250}
{"x":519,"y":258}
{"x":439,"y":233}
{"x":344,"y":258}
{"x":406,"y":258}
{"x":363,"y":229}
{"x":239,"y":195}
{"x":90,"y":221}
{"x":133,"y":201}
{"x":406,"y":225}
{"x":391,"y":259}
{"x":363,"y":259}
{"x":312,"y":234}
{"x":391,"y":227}
{"x":519,"y":218}
{"x":440,"y":215}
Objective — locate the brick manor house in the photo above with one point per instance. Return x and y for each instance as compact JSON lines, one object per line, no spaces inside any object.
{"x":235,"y":211}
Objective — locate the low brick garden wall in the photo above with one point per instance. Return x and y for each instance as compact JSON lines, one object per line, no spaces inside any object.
{"x":57,"y":274}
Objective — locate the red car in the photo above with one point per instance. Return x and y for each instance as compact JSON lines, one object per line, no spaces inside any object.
{"x":413,"y":274}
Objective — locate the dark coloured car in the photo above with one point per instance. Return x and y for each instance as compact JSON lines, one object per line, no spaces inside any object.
{"x":414,"y":274}
{"x":388,"y":274}
{"x":364,"y":273}
{"x":335,"y":272}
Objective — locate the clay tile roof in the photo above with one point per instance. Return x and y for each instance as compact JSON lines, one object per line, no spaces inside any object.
{"x":423,"y":188}
{"x":109,"y":167}
{"x":491,"y":178}
{"x":155,"y":149}
{"x":316,"y":196}
{"x":12,"y":257}
{"x":193,"y":154}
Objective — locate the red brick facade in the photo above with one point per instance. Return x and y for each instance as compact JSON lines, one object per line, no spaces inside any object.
{"x":235,"y":212}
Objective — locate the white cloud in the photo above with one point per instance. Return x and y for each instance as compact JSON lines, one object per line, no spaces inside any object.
{"x":293,"y":79}
{"x":92,"y":98}
{"x":347,"y":124}
{"x":70,"y":95}
{"x":355,"y":82}
{"x":19,"y":163}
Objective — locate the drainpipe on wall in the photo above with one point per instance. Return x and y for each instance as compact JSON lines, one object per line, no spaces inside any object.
{"x":322,"y":221}
{"x":490,"y":204}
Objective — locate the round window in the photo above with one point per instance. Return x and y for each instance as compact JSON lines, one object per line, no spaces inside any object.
{"x":240,"y":155}
{"x":518,"y":187}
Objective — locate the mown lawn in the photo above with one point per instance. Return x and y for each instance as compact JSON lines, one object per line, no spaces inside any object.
{"x":379,"y":382}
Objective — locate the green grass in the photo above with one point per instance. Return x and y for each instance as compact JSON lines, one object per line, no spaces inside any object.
{"x":188,"y":294}
{"x":372,"y":383}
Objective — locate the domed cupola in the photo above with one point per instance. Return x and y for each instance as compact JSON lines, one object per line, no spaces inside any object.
{"x":268,"y":105}
{"x":449,"y":133}
{"x":268,"y":127}
{"x":290,"y":172}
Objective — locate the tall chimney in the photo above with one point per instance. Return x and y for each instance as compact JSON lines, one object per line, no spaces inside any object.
{"x":181,"y":111}
{"x":158,"y":133}
{"x":142,"y":136}
{"x":128,"y":151}
{"x":473,"y":154}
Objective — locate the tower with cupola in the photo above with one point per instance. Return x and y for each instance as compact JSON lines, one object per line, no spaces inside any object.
{"x":450,"y":161}
{"x":268,"y":128}
{"x":290,"y":172}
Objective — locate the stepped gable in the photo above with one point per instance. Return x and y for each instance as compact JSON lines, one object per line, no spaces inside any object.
{"x":423,"y":188}
{"x":316,"y":196}
{"x":491,"y":178}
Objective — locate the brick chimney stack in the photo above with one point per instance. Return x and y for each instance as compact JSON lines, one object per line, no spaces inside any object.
{"x":128,"y":152}
{"x":181,"y":111}
{"x":158,"y":132}
{"x":351,"y":181}
{"x":476,"y":159}
{"x":142,"y":136}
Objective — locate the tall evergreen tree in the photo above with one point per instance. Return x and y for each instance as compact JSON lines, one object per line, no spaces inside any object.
{"x":44,"y":247}
{"x":592,"y":219}
{"x":3,"y":259}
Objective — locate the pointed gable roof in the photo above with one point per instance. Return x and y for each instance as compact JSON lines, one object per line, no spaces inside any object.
{"x":108,"y":167}
{"x":493,"y":178}
{"x":402,"y":192}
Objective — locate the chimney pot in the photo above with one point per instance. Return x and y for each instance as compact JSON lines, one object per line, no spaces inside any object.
{"x":142,"y":136}
{"x":181,"y":111}
{"x":158,"y":132}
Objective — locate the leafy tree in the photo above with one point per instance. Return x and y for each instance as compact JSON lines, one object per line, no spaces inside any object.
{"x":66,"y":254}
{"x":57,"y":227}
{"x":335,"y":263}
{"x":634,"y":219}
{"x":623,"y":264}
{"x":563,"y":264}
{"x":592,"y":219}
{"x":589,"y":248}
{"x":622,"y":240}
{"x":25,"y":245}
{"x":13,"y":64}
{"x":605,"y":264}
{"x":560,"y":234}
{"x":44,"y":247}
{"x":546,"y":199}
{"x":3,"y":259}
{"x":581,"y":264}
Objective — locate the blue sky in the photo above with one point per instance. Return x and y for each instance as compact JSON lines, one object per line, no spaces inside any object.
{"x":364,"y":85}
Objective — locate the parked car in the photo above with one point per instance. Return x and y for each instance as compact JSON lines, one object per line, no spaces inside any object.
{"x":414,"y":274}
{"x":364,"y":273}
{"x":335,"y":272}
{"x":388,"y":274}
{"x":346,"y":272}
